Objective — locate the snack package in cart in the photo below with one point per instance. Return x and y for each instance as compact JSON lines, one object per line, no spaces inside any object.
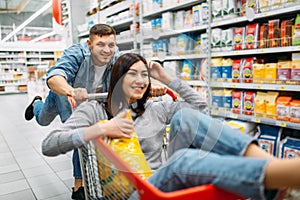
{"x":113,"y":182}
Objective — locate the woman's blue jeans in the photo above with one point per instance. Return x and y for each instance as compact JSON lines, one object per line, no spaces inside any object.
{"x":203,"y":150}
{"x":46,"y":112}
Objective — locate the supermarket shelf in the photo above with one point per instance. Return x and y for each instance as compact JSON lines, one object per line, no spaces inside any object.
{"x":156,"y":35}
{"x":256,"y":86}
{"x":197,"y":83}
{"x":176,"y":6}
{"x":180,"y":57}
{"x":257,"y":51}
{"x":255,"y":119}
{"x":289,"y":9}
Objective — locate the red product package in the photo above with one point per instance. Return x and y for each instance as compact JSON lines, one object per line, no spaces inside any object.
{"x":249,"y":103}
{"x":236,"y":70}
{"x":238,"y":38}
{"x":237,"y":101}
{"x":247,"y":69}
{"x":251,"y":36}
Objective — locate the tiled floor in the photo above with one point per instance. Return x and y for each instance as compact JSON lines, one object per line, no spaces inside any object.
{"x":25,"y":174}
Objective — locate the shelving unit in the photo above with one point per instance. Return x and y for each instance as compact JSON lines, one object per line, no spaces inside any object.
{"x":143,"y":39}
{"x":20,"y":63}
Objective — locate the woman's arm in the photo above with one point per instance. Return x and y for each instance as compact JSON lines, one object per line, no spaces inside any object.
{"x":83,"y":126}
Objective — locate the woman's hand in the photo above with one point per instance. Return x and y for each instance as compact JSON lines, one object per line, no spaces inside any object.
{"x":117,"y":127}
{"x":157,"y":72}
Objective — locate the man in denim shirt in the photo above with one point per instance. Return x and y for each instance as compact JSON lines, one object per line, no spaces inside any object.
{"x":83,"y":68}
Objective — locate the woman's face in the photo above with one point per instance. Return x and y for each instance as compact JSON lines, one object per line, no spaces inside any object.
{"x":135,"y":82}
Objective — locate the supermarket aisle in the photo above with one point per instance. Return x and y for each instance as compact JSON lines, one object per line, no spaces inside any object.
{"x":24,"y":172}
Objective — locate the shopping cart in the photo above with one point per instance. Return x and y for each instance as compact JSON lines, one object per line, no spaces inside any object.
{"x":97,"y":151}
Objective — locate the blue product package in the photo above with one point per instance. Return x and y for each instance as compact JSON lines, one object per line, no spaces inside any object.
{"x":268,"y":138}
{"x":158,"y":23}
{"x":227,"y":100}
{"x":154,"y":48}
{"x":227,"y":72}
{"x":290,"y":148}
{"x":187,"y":70}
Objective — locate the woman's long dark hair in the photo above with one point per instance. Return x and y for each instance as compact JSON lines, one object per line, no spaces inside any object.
{"x":116,"y":99}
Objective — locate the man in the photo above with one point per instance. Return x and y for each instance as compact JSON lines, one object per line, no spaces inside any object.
{"x":83,"y":68}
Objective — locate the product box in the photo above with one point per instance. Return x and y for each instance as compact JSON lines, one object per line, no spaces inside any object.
{"x":248,"y":107}
{"x":264,"y":36}
{"x":238,"y":38}
{"x":283,"y":71}
{"x":227,"y":39}
{"x":290,"y":148}
{"x":286,"y":33}
{"x":283,"y":108}
{"x":247,"y":70}
{"x":237,"y":101}
{"x":274,"y":33}
{"x":236,"y":70}
{"x":268,"y":139}
{"x":251,"y":36}
{"x":295,"y":111}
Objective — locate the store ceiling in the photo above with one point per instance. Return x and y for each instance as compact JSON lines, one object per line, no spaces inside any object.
{"x":19,"y":6}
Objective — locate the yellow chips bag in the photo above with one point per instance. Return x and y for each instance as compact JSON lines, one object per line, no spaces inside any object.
{"x":114,"y":183}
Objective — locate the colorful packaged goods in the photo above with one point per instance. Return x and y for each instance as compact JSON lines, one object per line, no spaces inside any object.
{"x":258,"y":73}
{"x":247,"y":70}
{"x":283,"y":71}
{"x":268,"y":138}
{"x":270,"y":72}
{"x":237,"y":101}
{"x":248,"y":107}
{"x":283,"y":108}
{"x":227,"y":69}
{"x":251,"y":36}
{"x":260,"y":104}
{"x":236,"y":70}
{"x":274,"y":33}
{"x":286,"y":33}
{"x":264,"y":36}
{"x":295,"y":111}
{"x":271,"y":104}
{"x":290,"y":148}
{"x":238,"y":38}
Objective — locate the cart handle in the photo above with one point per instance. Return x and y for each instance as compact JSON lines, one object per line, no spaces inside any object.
{"x":103,"y":95}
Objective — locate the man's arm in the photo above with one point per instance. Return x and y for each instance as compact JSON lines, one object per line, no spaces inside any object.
{"x":60,"y":86}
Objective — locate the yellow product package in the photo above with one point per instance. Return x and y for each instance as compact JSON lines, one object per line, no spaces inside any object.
{"x":114,"y":183}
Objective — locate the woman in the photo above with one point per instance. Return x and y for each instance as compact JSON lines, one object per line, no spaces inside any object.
{"x":199,"y":145}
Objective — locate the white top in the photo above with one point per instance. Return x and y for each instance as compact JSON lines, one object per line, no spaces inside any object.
{"x":99,"y":71}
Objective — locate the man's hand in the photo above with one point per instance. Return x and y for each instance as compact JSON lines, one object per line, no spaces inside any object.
{"x":79,"y":94}
{"x":157,"y":88}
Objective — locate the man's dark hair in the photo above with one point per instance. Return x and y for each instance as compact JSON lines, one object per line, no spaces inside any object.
{"x":101,"y":29}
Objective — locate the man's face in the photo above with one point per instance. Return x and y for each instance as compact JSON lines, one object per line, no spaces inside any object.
{"x":102,"y":48}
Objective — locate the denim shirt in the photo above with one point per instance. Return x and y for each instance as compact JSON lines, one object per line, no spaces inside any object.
{"x":77,"y":67}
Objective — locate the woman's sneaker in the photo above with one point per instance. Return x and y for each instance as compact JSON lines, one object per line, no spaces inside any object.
{"x":29,"y":110}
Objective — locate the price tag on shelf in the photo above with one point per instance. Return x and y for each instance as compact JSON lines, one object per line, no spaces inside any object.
{"x":233,"y":85}
{"x":281,"y":123}
{"x":236,"y":52}
{"x":235,"y":116}
{"x":257,"y":119}
{"x":259,"y":87}
{"x":262,"y":51}
{"x":214,"y":112}
{"x":283,"y":87}
{"x":266,"y":14}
